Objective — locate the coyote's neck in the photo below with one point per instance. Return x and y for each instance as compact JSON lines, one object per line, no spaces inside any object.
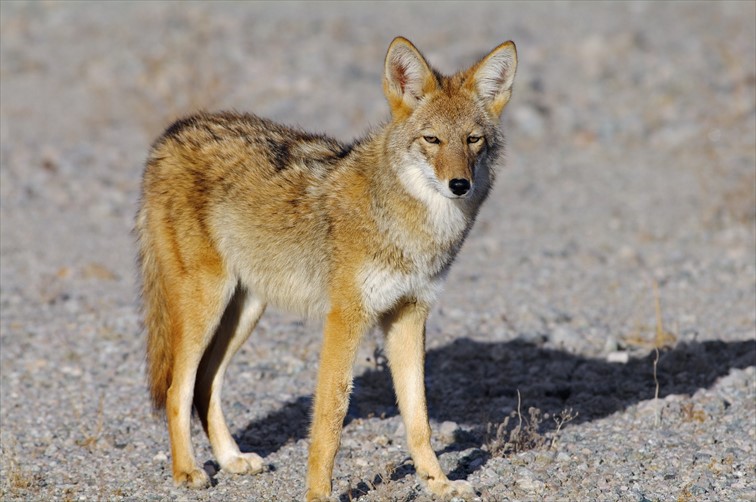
{"x":415,"y":216}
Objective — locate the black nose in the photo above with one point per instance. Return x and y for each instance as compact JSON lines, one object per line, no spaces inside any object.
{"x":459,"y":186}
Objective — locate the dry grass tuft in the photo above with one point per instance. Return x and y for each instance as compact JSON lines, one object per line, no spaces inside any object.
{"x":564,"y":417}
{"x":662,"y":338}
{"x":360,"y":488}
{"x":526,"y":435}
{"x":90,"y":438}
{"x":689,"y":413}
{"x":19,"y":480}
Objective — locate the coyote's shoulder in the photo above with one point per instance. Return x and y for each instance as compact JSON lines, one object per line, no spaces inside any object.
{"x":239,"y":212}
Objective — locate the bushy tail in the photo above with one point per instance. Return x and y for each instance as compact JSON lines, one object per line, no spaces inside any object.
{"x":156,"y":320}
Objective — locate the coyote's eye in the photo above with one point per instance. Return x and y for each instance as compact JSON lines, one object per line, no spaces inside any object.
{"x":432,"y":140}
{"x":473,"y":139}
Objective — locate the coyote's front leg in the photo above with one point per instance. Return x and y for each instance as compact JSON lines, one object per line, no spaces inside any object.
{"x":341,"y":337}
{"x":405,"y":344}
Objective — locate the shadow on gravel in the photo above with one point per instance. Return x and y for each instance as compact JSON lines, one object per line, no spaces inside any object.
{"x":474,"y":384}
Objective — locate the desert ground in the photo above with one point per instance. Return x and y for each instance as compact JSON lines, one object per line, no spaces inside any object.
{"x":596,"y":336}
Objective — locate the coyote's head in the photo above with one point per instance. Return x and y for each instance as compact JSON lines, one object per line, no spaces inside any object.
{"x":445,"y":129}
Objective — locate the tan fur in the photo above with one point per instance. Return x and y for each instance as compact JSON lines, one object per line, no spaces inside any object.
{"x":238,"y":212}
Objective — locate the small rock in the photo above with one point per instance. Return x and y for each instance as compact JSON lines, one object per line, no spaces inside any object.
{"x":526,"y":482}
{"x":611,"y":344}
{"x":400,"y":431}
{"x":565,"y":337}
{"x":382,"y":440}
{"x":361,"y":462}
{"x":447,"y":430}
{"x":351,"y":444}
{"x":618,"y":356}
{"x":160,"y":457}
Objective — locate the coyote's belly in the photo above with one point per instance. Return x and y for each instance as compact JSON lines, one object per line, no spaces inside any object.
{"x":286,"y":269}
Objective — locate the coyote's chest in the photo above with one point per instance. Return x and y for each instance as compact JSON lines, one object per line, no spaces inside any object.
{"x":382,"y":287}
{"x":426,"y":251}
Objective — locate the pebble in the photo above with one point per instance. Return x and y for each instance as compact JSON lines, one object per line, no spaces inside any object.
{"x":526,"y":482}
{"x":447,"y":429}
{"x":620,"y":357}
{"x":382,"y":440}
{"x":400,"y":431}
{"x":564,"y":336}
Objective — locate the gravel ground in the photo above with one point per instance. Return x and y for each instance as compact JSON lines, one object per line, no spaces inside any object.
{"x":624,"y":221}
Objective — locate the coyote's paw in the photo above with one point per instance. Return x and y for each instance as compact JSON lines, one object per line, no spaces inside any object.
{"x":244,"y":463}
{"x":448,"y":490}
{"x":196,"y":478}
{"x":321,"y":498}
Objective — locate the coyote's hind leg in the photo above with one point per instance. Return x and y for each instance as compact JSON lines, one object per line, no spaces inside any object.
{"x":238,"y":321}
{"x":197,"y":301}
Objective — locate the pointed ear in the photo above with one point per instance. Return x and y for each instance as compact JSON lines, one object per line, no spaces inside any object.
{"x":407,"y":77}
{"x":492,"y":77}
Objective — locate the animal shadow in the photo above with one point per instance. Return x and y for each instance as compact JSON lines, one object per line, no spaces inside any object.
{"x":476,"y":383}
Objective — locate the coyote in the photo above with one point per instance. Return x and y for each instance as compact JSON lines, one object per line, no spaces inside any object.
{"x":238,"y":212}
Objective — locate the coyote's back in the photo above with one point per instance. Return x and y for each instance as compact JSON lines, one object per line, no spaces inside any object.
{"x":238,"y":212}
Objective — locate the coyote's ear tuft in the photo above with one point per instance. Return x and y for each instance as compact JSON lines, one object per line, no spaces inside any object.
{"x":492,"y":77}
{"x":407,"y":77}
